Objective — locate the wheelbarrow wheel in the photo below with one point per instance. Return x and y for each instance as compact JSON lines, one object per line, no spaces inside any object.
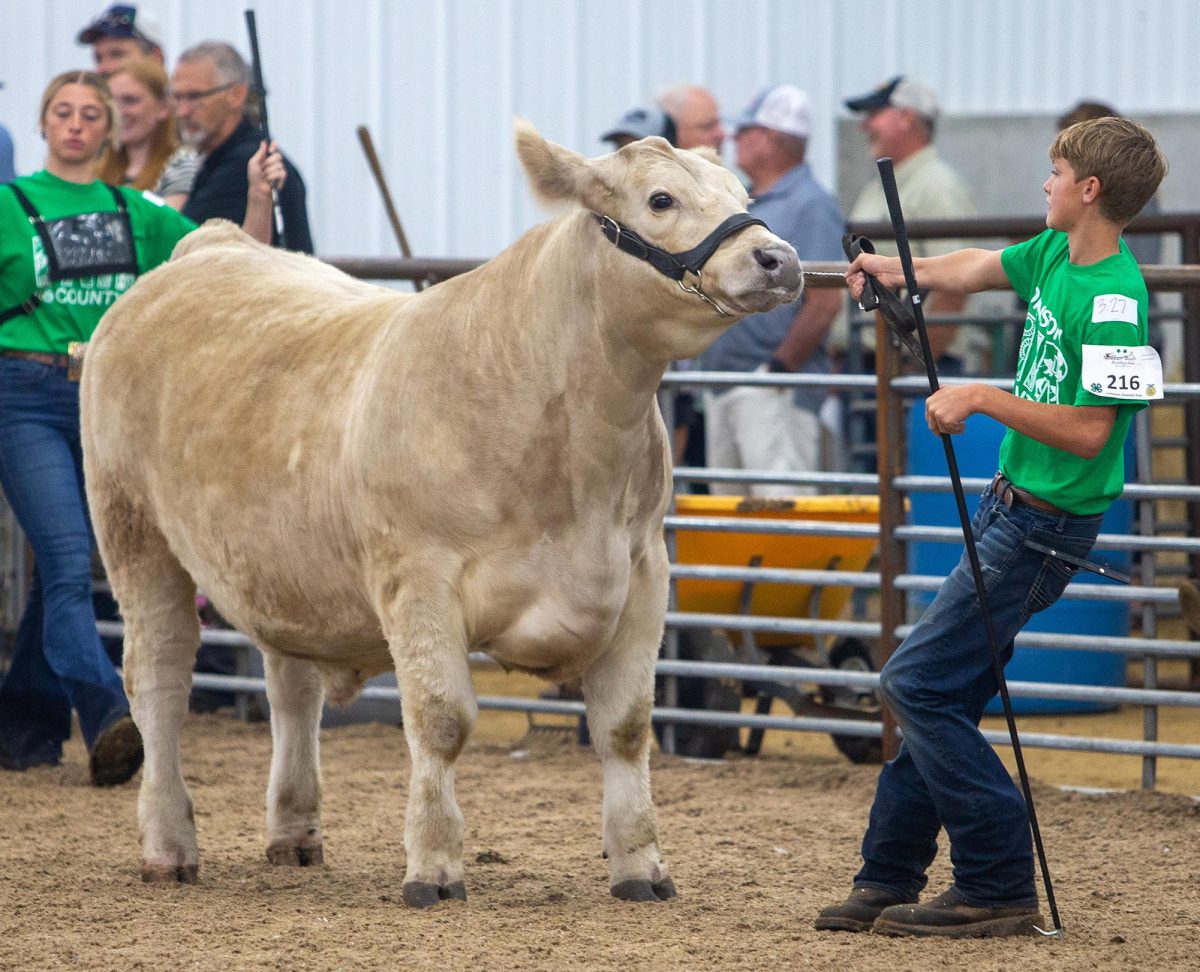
{"x":852,"y":655}
{"x":711,"y":694}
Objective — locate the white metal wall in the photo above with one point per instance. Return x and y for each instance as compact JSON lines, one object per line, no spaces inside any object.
{"x":438,"y":81}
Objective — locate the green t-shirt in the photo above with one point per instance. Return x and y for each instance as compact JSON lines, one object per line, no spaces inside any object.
{"x":1065,"y":314}
{"x":71,"y":309}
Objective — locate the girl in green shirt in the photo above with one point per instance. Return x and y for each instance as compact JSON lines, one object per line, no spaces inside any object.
{"x":69,"y":246}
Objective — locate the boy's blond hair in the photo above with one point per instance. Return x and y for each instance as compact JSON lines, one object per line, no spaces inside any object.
{"x":1122,"y":155}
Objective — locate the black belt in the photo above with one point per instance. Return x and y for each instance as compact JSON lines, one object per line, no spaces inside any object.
{"x":1008,"y":494}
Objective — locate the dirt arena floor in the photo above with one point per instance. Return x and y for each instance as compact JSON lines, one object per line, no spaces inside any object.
{"x":756,"y":847}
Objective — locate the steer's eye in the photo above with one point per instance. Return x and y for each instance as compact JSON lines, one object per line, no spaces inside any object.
{"x":660,"y":201}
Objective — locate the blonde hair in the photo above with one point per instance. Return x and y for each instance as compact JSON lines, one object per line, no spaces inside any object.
{"x":163,"y":143}
{"x":89,"y":79}
{"x":1122,"y":155}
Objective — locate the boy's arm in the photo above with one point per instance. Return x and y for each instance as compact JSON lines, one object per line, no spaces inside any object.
{"x":1081,"y":430}
{"x":966,"y":271}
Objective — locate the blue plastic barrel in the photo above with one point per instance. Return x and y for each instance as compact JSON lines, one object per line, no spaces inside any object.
{"x":977,"y":451}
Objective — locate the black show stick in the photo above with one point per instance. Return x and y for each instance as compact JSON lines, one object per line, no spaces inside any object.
{"x":260,"y":88}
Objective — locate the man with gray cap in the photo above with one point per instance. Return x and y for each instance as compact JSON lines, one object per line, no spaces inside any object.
{"x":899,"y":118}
{"x":777,"y":429}
{"x":119,"y":34}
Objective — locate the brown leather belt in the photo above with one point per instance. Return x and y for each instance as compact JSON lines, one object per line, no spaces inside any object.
{"x":41,"y":357}
{"x":1008,"y":494}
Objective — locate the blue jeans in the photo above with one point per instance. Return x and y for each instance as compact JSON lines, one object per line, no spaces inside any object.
{"x":58,"y":662}
{"x":937,"y":684}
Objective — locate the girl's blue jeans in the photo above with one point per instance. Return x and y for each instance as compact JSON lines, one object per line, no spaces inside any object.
{"x":58,"y":662}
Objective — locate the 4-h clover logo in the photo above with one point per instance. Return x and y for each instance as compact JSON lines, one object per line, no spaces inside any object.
{"x":1097,"y":388}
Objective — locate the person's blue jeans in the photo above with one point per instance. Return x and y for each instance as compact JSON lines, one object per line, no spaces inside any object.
{"x":58,"y":662}
{"x":937,"y":683}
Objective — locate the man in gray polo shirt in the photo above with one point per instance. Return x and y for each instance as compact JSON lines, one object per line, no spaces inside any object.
{"x":772,"y":428}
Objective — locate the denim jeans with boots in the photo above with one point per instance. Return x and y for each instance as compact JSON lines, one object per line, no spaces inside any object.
{"x":58,"y":662}
{"x":937,"y":684}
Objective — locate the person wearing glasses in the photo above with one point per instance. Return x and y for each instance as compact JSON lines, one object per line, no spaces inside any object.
{"x":210,"y":90}
{"x":70,"y":245}
{"x":120,"y":34}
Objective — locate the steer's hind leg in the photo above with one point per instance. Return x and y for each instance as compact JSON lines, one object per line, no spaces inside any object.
{"x":425,"y":632}
{"x":295,"y":692}
{"x":619,"y":690}
{"x":162,"y":632}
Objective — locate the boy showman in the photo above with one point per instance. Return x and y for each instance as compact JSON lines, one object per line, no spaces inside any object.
{"x":1084,"y":369}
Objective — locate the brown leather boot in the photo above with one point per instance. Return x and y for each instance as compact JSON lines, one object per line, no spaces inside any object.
{"x":859,"y":911}
{"x":948,"y":915}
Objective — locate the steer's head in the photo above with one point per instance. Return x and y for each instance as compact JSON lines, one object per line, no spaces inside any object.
{"x":649,"y":192}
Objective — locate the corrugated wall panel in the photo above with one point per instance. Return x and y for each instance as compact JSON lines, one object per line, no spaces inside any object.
{"x":438,"y":81}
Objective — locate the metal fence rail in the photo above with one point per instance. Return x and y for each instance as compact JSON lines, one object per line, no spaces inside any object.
{"x":839,"y":727}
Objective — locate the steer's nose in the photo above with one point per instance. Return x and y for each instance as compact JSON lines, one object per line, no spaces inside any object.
{"x":781,"y":266}
{"x":766,"y":259}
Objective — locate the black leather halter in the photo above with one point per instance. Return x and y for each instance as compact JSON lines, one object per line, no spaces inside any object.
{"x":676,"y":265}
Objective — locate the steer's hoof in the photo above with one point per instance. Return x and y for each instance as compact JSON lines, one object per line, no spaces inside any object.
{"x":289,"y":855}
{"x":170,"y":873}
{"x":425,"y":894}
{"x":644,"y":890}
{"x":664,"y":889}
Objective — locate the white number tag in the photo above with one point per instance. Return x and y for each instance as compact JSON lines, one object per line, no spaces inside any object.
{"x":1114,"y":307}
{"x":1132,"y":374}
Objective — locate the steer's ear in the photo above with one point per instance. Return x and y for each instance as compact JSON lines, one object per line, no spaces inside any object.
{"x":557,"y":174}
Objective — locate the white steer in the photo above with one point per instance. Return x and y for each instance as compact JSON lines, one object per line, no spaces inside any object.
{"x":364,"y":480}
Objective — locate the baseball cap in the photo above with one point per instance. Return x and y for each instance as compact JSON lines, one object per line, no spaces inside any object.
{"x":899,"y":92}
{"x":122,"y":20}
{"x":784,"y":108}
{"x":642,"y":122}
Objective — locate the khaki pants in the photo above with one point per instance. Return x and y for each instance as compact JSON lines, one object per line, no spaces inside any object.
{"x":761,"y":428}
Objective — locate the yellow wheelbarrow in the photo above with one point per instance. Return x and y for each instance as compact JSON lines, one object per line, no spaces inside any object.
{"x":825,"y":601}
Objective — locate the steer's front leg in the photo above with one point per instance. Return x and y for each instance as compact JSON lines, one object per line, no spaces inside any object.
{"x":438,"y":702}
{"x":619,"y":690}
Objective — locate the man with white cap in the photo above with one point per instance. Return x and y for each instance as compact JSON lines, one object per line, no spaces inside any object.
{"x":119,"y":34}
{"x":899,"y":118}
{"x":772,"y":428}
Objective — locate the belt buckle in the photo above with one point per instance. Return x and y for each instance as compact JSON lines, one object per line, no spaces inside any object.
{"x":75,"y":352}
